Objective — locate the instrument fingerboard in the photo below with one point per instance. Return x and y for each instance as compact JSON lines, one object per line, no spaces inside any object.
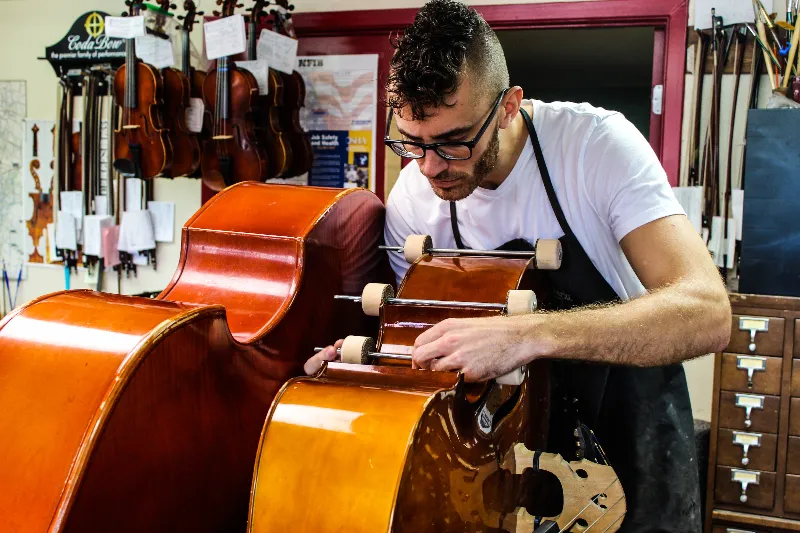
{"x":130,"y":74}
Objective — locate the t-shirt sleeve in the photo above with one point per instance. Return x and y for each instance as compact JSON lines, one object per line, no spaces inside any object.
{"x":396,"y":230}
{"x":624,"y":179}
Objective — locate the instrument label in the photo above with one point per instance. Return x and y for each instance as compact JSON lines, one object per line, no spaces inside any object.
{"x":749,"y":439}
{"x":748,"y":323}
{"x":194,"y":115}
{"x":125,"y":27}
{"x":748,"y":400}
{"x":745,"y":476}
{"x":225,"y":37}
{"x":748,"y":362}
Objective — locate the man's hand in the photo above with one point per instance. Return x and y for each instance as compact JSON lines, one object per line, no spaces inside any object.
{"x":330,"y":353}
{"x":481,"y":348}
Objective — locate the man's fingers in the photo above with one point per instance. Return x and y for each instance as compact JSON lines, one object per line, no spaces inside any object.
{"x":444,"y":364}
{"x":315,"y":363}
{"x":430,"y":335}
{"x":423,"y":355}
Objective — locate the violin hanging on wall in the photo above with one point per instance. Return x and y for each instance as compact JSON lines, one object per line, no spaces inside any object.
{"x":230,"y":95}
{"x":142,"y":146}
{"x":196,"y":77}
{"x":177,"y":91}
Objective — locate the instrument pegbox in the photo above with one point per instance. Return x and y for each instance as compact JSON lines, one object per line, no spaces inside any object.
{"x":546,"y":255}
{"x":376,"y":295}
{"x":189,"y":16}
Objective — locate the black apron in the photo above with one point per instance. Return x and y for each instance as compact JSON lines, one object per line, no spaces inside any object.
{"x":641,"y":417}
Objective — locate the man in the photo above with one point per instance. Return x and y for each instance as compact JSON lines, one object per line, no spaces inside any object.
{"x":638,"y":291}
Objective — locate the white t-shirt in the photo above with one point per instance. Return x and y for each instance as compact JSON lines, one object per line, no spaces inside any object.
{"x":606,"y":176}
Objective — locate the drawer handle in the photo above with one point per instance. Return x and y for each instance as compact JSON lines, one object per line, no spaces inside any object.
{"x":745,"y":478}
{"x":749,"y":402}
{"x":752,"y":364}
{"x":753,"y":325}
{"x":746,"y":440}
{"x":734,"y":530}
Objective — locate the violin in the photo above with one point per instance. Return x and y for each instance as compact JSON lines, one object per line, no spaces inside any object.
{"x":278,"y":147}
{"x":395,"y":449}
{"x":177,"y":91}
{"x":231,"y":96}
{"x":294,"y":91}
{"x":196,"y":76}
{"x":141,"y":138}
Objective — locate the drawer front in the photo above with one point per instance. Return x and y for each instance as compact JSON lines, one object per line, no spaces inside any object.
{"x":760,"y":448}
{"x":793,"y":456}
{"x":791,"y":495}
{"x":751,"y":373}
{"x":763,"y":420}
{"x":796,"y":374}
{"x":794,"y":417}
{"x":747,"y":333}
{"x":737,"y":529}
{"x":730,"y":491}
{"x":797,"y":339}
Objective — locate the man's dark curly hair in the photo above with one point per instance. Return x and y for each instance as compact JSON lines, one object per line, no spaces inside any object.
{"x":446,"y":41}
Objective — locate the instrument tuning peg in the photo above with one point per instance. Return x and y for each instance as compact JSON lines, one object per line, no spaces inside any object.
{"x":291,"y":7}
{"x":217,"y":13}
{"x":181,"y":17}
{"x":288,"y":16}
{"x":173,"y":6}
{"x":200,"y":13}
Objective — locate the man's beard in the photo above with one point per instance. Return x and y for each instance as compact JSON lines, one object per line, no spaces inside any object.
{"x":469,"y":182}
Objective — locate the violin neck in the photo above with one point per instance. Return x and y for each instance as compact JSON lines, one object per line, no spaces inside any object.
{"x":251,"y":39}
{"x":223,"y":98}
{"x":186,"y":53}
{"x":130,"y":74}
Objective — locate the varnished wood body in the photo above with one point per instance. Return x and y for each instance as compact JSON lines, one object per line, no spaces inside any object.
{"x":127,"y":414}
{"x":185,"y":148}
{"x":773,"y":505}
{"x":147,"y":129}
{"x":388,"y":448}
{"x":276,"y":143}
{"x":289,"y":116}
{"x":244,"y":155}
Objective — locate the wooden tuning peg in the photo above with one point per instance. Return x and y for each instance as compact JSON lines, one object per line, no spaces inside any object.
{"x":217,"y":13}
{"x":200,"y":13}
{"x":173,"y":6}
{"x":291,"y":7}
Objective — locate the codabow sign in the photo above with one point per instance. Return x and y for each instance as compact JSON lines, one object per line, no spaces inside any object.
{"x":86,"y":44}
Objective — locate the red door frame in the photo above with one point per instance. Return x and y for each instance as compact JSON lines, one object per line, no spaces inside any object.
{"x":669,"y":17}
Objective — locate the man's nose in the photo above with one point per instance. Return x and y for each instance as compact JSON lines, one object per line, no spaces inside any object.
{"x":432,"y":164}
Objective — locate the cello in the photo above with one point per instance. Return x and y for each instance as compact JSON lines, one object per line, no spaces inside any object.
{"x":392,"y":449}
{"x":141,"y":144}
{"x":128,"y":414}
{"x":231,"y":97}
{"x":177,"y":91}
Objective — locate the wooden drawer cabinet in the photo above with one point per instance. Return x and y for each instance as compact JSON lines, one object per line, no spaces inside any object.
{"x":762,"y":333}
{"x":751,"y":373}
{"x":749,"y":412}
{"x":748,"y":488}
{"x":754,"y":450}
{"x":740,"y":449}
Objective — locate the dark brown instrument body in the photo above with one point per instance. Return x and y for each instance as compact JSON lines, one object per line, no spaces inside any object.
{"x":294,"y":98}
{"x":233,"y":149}
{"x":141,"y":124}
{"x":280,"y":151}
{"x":129,"y":414}
{"x":186,"y":149}
{"x":75,"y":173}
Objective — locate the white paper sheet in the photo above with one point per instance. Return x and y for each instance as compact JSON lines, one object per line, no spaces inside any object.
{"x":110,"y":238}
{"x":140,"y":259}
{"x":737,"y":208}
{"x":278,"y":50}
{"x":101,"y":205}
{"x":163,"y":216}
{"x":72,"y":203}
{"x":194,"y":115}
{"x":717,"y":241}
{"x":260,"y":69}
{"x":51,"y":242}
{"x":155,"y":51}
{"x":133,"y":194}
{"x":66,"y":232}
{"x":691,"y":199}
{"x":125,"y":27}
{"x":730,"y":245}
{"x":93,"y":233}
{"x":136,"y":232}
{"x":225,"y":37}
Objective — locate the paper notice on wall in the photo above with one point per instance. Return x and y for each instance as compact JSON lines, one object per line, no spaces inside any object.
{"x":260,"y":70}
{"x":163,"y":215}
{"x":194,"y":115}
{"x":155,"y":51}
{"x":340,"y":117}
{"x":225,"y":37}
{"x":125,"y":27}
{"x":278,"y":50}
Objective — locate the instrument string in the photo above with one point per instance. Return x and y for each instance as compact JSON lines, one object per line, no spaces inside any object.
{"x":574,"y":518}
{"x":606,"y":510}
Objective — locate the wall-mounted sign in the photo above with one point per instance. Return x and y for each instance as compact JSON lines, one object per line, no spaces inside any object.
{"x":86,"y":44}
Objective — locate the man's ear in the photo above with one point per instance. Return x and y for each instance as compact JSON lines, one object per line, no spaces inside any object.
{"x":510,"y":107}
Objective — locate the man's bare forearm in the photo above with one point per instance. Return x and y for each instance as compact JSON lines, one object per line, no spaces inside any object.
{"x":666,"y":326}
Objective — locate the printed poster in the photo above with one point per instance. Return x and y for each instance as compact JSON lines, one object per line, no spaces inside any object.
{"x":340,"y":118}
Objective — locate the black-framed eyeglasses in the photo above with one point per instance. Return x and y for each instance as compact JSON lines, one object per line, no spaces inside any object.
{"x":452,"y":150}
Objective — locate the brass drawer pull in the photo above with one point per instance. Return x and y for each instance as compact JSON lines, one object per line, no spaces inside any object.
{"x":752,"y":364}
{"x":745,"y":478}
{"x":746,"y":440}
{"x":753,"y":325}
{"x":749,"y":402}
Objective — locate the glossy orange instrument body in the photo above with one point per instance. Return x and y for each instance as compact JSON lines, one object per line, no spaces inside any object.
{"x":128,"y":414}
{"x":141,"y":136}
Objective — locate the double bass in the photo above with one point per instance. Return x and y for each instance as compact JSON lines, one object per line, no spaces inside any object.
{"x":141,"y":138}
{"x":129,"y":414}
{"x":388,"y":448}
{"x":231,"y":97}
{"x":177,"y":91}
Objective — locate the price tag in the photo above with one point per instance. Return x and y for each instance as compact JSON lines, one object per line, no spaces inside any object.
{"x":194,"y":115}
{"x":260,"y":69}
{"x":225,"y":37}
{"x":278,"y":50}
{"x":155,"y":51}
{"x":125,"y":27}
